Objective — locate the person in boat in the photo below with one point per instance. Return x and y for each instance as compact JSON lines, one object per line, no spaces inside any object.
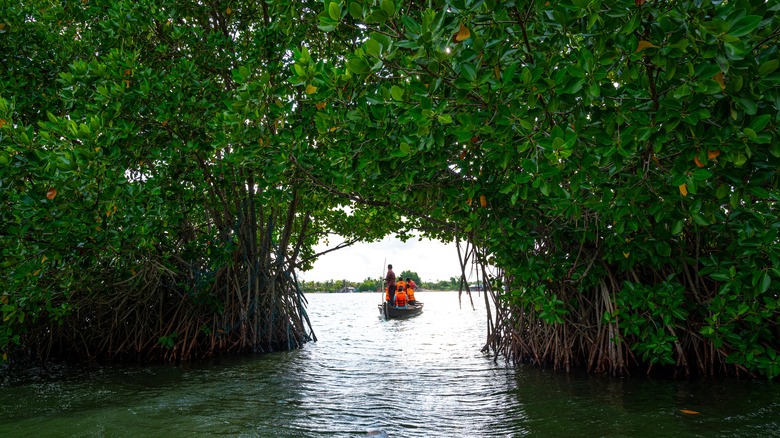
{"x":400,"y":297}
{"x":390,"y":283}
{"x":410,"y":287}
{"x":400,"y":283}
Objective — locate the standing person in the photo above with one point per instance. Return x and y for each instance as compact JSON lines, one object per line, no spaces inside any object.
{"x":390,"y":282}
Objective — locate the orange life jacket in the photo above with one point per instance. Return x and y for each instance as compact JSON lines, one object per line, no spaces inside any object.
{"x":410,"y":293}
{"x":400,"y":298}
{"x":387,"y":294}
{"x":400,"y":284}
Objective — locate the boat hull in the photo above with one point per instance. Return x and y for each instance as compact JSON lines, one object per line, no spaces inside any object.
{"x":392,"y":312}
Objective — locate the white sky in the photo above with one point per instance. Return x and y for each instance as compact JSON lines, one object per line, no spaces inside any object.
{"x":432,"y":260}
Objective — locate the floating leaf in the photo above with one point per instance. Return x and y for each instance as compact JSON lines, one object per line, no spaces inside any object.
{"x":644,"y":45}
{"x":684,"y":189}
{"x":310,"y":89}
{"x":463,"y":33}
{"x":51,"y":193}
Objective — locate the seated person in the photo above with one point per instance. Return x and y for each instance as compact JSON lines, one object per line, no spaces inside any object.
{"x":400,"y":297}
{"x":400,"y":283}
{"x":410,"y":285}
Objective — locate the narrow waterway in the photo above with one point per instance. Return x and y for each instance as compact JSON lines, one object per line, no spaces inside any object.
{"x":422,"y":377}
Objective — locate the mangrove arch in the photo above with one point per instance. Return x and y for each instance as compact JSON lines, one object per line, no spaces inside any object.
{"x":167,"y":166}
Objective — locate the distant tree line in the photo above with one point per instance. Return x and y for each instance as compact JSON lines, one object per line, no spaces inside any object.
{"x":373,"y":284}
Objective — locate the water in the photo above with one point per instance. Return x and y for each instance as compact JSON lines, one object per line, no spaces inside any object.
{"x":421,"y":377}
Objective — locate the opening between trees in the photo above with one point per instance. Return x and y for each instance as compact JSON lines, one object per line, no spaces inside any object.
{"x":166,"y":168}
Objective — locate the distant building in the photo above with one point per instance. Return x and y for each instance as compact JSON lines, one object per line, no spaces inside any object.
{"x":348,"y":289}
{"x":477,"y":287}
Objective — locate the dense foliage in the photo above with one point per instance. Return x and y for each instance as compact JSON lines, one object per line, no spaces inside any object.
{"x":617,"y":161}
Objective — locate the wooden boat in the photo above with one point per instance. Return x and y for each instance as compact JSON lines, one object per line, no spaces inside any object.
{"x":392,"y":312}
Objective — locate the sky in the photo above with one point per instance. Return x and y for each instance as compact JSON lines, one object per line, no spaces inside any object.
{"x":430,"y":259}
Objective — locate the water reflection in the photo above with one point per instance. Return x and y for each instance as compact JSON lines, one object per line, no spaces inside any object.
{"x":420,"y":377}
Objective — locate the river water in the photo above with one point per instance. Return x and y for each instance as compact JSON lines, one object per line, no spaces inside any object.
{"x":421,"y":377}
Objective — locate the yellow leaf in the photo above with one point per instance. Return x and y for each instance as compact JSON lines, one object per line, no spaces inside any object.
{"x":483,"y":200}
{"x":463,"y":33}
{"x":333,"y":128}
{"x":310,"y":89}
{"x":2,"y":122}
{"x":37,"y":272}
{"x":713,"y":154}
{"x":643,"y":45}
{"x":4,"y":299}
{"x":2,"y":26}
{"x":468,"y":201}
{"x":626,"y":254}
{"x":228,"y":11}
{"x":719,"y":79}
{"x":688,"y":411}
{"x":320,"y":105}
{"x":684,"y":189}
{"x":497,"y":71}
{"x":43,"y":259}
{"x":698,"y":163}
{"x":51,"y":193}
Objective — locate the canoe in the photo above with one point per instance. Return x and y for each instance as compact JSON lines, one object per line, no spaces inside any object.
{"x":392,"y":312}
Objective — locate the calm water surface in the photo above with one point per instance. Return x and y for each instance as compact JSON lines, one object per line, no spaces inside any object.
{"x":422,"y":377}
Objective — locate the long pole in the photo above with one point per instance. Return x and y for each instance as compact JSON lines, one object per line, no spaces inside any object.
{"x":381,"y":292}
{"x":382,"y":279}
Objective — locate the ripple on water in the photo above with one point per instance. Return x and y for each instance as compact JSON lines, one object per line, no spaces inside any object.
{"x":422,"y":377}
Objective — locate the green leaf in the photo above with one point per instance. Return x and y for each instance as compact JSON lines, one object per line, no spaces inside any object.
{"x":766,"y":281}
{"x":334,"y":11}
{"x":468,"y":72}
{"x":702,"y":174}
{"x":445,"y":118}
{"x":759,"y":123}
{"x":397,"y":92}
{"x":358,"y":65}
{"x":389,"y":7}
{"x":699,"y":219}
{"x":373,"y":48}
{"x":356,"y":10}
{"x":744,"y":25}
{"x":768,"y":67}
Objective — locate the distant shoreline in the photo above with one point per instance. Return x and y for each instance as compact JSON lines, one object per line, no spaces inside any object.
{"x":374,"y":292}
